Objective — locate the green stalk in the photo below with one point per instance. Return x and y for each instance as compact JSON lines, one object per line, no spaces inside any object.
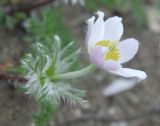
{"x":45,"y":114}
{"x":76,"y":74}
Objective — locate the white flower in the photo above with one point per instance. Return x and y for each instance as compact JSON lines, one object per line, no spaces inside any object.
{"x":119,"y":86}
{"x":107,"y":51}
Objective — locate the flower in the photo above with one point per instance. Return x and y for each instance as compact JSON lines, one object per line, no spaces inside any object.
{"x":119,"y":86}
{"x":107,"y":51}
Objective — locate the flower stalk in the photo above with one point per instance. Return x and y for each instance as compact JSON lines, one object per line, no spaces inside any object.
{"x":76,"y":74}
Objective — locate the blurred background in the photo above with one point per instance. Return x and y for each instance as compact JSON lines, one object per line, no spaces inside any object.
{"x":22,"y":22}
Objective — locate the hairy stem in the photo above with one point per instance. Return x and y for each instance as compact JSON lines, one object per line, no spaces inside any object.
{"x":76,"y":74}
{"x":45,"y":114}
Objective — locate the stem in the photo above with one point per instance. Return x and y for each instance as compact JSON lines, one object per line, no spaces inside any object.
{"x":45,"y":114}
{"x":76,"y":74}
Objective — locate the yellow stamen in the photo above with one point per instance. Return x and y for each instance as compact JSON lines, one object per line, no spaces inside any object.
{"x":103,"y":43}
{"x":113,"y":53}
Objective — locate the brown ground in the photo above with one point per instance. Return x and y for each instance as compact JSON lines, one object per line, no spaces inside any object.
{"x":16,"y":108}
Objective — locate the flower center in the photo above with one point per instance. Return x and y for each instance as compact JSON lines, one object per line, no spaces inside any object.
{"x":113,"y":53}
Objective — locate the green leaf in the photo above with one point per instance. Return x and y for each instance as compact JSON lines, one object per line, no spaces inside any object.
{"x":42,"y":64}
{"x":50,"y":23}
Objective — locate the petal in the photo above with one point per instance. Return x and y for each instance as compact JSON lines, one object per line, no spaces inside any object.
{"x":111,"y":65}
{"x":97,"y":55}
{"x":98,"y":29}
{"x":113,"y":28}
{"x":127,"y":49}
{"x":134,"y":76}
{"x":119,"y":86}
{"x":130,"y":73}
{"x":90,"y":23}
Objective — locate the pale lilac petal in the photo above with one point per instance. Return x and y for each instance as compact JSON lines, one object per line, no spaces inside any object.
{"x":119,"y":86}
{"x":97,"y":31}
{"x":130,"y":73}
{"x":97,"y":55}
{"x":111,"y":65}
{"x":90,"y":23}
{"x":127,"y":49}
{"x":134,"y":76}
{"x":113,"y":28}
